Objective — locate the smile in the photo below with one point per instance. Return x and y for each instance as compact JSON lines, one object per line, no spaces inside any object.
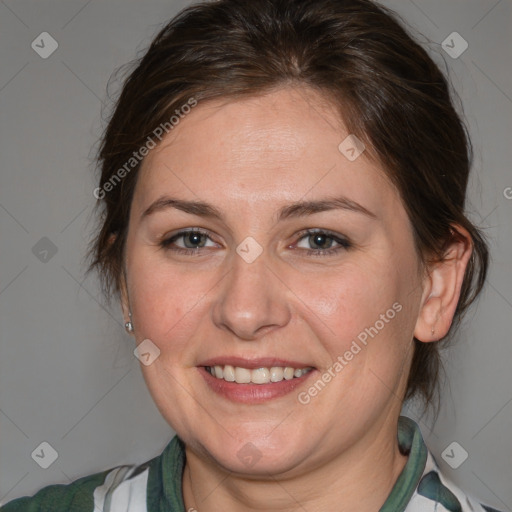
{"x":242,"y":375}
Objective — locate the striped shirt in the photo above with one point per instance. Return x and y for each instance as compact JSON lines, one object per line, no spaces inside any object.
{"x":155,"y":486}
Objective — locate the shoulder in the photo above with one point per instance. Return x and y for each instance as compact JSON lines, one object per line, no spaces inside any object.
{"x":435,"y":491}
{"x":89,"y":493}
{"x":77,"y":495}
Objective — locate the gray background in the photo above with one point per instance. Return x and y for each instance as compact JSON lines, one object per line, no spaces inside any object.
{"x":67,"y":371}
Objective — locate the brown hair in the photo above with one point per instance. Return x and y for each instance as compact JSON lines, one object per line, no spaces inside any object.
{"x":356,"y":53}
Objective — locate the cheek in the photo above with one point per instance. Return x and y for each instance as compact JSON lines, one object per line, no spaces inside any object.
{"x":166,"y":304}
{"x":361,"y":313}
{"x":350,"y":299}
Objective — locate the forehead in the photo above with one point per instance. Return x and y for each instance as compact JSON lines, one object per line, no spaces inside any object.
{"x":277,"y":147}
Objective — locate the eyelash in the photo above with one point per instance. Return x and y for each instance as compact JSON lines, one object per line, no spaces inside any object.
{"x":344,"y":244}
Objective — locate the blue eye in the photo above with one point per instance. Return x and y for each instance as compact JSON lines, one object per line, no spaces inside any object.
{"x":187,"y":241}
{"x":322,"y":243}
{"x":315,"y":242}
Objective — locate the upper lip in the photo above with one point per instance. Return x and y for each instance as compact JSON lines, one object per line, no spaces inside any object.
{"x":260,"y":362}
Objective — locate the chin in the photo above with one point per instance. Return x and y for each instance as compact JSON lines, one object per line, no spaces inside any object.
{"x":256,"y":455}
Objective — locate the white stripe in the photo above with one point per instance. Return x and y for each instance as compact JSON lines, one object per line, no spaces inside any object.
{"x":101,"y":491}
{"x":421,"y":504}
{"x":121,"y":493}
{"x":130,"y":495}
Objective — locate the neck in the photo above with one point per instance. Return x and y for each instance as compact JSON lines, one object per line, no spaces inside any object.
{"x":360,"y":479}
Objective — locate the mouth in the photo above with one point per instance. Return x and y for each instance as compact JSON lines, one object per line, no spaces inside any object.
{"x":259,"y":376}
{"x":254,"y":381}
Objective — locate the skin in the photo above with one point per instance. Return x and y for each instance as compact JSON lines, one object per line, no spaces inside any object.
{"x":249,"y":158}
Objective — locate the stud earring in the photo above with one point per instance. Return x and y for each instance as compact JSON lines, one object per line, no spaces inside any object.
{"x":128,"y":325}
{"x":433,"y":331}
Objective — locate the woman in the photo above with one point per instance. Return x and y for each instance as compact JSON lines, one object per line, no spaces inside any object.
{"x":283,"y":187}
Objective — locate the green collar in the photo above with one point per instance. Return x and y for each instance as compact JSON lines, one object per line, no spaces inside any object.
{"x":410,"y":442}
{"x":166,"y":472}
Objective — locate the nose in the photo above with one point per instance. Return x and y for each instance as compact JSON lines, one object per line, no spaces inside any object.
{"x":251,"y":301}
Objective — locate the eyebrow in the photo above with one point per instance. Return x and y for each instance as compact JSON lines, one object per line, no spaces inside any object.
{"x":293,"y":210}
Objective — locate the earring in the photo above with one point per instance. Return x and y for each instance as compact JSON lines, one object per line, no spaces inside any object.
{"x":433,"y":331}
{"x":128,"y":325}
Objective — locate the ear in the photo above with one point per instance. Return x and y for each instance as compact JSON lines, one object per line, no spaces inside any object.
{"x":442,"y":287}
{"x":123,"y":288}
{"x":125,"y":303}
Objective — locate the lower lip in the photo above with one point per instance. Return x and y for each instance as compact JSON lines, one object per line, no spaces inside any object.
{"x":252,"y":393}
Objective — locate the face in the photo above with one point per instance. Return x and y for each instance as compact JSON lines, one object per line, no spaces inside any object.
{"x":256,"y":245}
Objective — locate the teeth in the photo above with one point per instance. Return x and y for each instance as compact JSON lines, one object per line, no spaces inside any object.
{"x":276,"y":374}
{"x":257,"y":376}
{"x":288,"y":373}
{"x":260,"y":376}
{"x":229,"y":373}
{"x":242,"y":375}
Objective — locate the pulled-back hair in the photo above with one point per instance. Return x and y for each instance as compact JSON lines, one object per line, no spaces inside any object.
{"x":383,"y":84}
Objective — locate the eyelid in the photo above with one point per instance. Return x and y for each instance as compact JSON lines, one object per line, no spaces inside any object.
{"x":167,"y":240}
{"x":339,"y":238}
{"x":343,"y":242}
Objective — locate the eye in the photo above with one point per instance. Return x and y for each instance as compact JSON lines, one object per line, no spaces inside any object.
{"x":315,"y":242}
{"x":188,"y":241}
{"x":322,"y":243}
